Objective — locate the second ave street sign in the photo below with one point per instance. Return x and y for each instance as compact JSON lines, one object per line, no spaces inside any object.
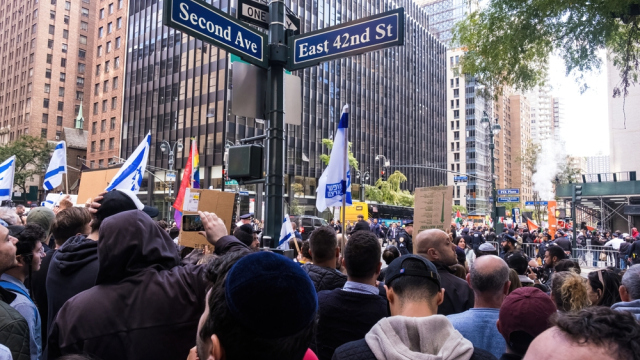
{"x":352,"y":38}
{"x":213,"y":26}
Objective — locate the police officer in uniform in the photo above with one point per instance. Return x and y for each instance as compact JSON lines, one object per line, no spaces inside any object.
{"x":405,"y":239}
{"x":477,"y":239}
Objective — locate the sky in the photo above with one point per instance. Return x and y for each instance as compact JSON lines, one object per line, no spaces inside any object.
{"x":585,"y":114}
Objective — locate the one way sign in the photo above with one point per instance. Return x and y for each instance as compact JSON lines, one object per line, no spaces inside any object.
{"x":257,"y":13}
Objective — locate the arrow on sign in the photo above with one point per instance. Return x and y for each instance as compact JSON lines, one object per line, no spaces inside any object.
{"x":257,"y":13}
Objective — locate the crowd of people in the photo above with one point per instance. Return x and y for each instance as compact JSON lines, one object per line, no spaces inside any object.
{"x":106,"y":281}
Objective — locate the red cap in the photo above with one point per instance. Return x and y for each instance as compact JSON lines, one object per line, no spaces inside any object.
{"x":526,"y":309}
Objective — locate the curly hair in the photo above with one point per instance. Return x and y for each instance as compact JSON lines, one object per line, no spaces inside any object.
{"x":569,"y":291}
{"x":618,"y":331}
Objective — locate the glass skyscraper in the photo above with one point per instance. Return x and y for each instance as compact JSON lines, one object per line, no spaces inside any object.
{"x":177,"y":88}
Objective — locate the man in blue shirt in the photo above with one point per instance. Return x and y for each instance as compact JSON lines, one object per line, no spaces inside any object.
{"x":29,"y":254}
{"x":489,"y":279}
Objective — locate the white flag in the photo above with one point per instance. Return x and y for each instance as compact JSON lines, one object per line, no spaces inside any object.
{"x":7,"y":170}
{"x":130,"y":175}
{"x":286,"y":233}
{"x":57,"y":167}
{"x":331,"y":185}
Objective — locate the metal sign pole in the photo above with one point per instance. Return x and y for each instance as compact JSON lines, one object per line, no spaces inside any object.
{"x":274,"y":189}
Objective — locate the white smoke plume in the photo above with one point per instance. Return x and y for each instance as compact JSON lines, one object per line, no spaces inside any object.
{"x":548,"y":166}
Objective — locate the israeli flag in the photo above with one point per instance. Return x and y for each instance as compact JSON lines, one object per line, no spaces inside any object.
{"x":130,"y":175}
{"x":7,"y":170}
{"x":57,"y":167}
{"x":286,"y":233}
{"x":332,"y":186}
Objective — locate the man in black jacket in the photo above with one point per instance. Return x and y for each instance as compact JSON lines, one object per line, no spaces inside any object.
{"x":414,"y":331}
{"x":323,"y":247}
{"x":564,"y":242}
{"x":14,"y":330}
{"x":436,"y":246}
{"x":347,"y":314}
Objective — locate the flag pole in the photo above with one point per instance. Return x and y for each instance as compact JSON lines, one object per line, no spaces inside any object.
{"x":66,"y":180}
{"x":344,"y":174}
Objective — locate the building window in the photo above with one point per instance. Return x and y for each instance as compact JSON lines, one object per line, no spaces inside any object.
{"x":116,"y":63}
{"x":60,"y":91}
{"x":107,"y":66}
{"x":65,"y":33}
{"x":45,"y":118}
{"x":59,"y":120}
{"x":84,"y":26}
{"x":103,"y":125}
{"x":115,"y":83}
{"x":102,"y":13}
{"x":95,"y":108}
{"x":81,"y":67}
{"x":120,"y":4}
{"x":102,"y":145}
{"x":112,"y":125}
{"x":105,"y":87}
{"x":85,"y":12}
{"x":47,"y":73}
{"x":63,"y":76}
{"x":93,"y":149}
{"x":60,"y":106}
{"x":118,"y":42}
{"x":47,"y":88}
{"x":456,"y":114}
{"x":52,"y":30}
{"x":100,"y":32}
{"x":101,"y":161}
{"x":67,"y":6}
{"x":111,"y":8}
{"x":108,"y":47}
{"x":94,"y":127}
{"x":96,"y":89}
{"x":99,"y":50}
{"x":79,"y":95}
{"x":31,"y":72}
{"x":111,"y":143}
{"x":114,"y":103}
{"x":43,"y":133}
{"x":119,"y":23}
{"x":98,"y":69}
{"x":109,"y":28}
{"x":83,"y":40}
{"x":45,"y":103}
{"x":49,"y":58}
{"x":104,"y":106}
{"x":63,"y":62}
{"x":50,"y":44}
{"x":82,"y":54}
{"x":64,"y":48}
{"x":66,"y":19}
{"x":80,"y":81}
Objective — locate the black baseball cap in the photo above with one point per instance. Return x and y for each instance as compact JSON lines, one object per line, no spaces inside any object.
{"x":397,"y":269}
{"x":117,"y":201}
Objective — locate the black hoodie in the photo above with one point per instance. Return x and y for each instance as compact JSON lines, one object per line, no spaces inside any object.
{"x":73,"y":269}
{"x":144,"y":305}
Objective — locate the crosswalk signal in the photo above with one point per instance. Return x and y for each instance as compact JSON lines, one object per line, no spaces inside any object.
{"x":577,"y":193}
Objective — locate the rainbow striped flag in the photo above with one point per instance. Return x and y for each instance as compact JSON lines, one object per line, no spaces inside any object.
{"x":190,"y":179}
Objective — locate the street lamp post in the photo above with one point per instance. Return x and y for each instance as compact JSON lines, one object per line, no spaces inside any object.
{"x":165,"y":147}
{"x":495,"y":130}
{"x":362,"y":177}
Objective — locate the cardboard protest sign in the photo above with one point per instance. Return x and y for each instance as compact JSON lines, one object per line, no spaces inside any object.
{"x":93,"y":182}
{"x":432,"y":208}
{"x":223,"y":204}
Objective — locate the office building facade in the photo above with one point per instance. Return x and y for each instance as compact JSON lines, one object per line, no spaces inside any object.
{"x":542,"y":114}
{"x":624,"y":123}
{"x":177,"y":88}
{"x":45,"y":48}
{"x":445,"y":14}
{"x":598,"y":164}
{"x":469,"y":153}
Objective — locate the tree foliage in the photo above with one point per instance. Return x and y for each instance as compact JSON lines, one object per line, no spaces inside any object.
{"x":295,"y":208}
{"x":389,"y":192}
{"x":456,"y":208}
{"x":568,"y":172}
{"x":297,"y":189}
{"x":528,"y":157}
{"x":353,"y":162}
{"x":32,"y":156}
{"x":508,"y":42}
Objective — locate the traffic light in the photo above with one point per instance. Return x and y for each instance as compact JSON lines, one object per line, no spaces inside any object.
{"x":577,"y":193}
{"x":383,"y":175}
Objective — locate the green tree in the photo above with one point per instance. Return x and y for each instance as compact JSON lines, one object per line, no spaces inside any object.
{"x":389,"y":192}
{"x":298,"y":189}
{"x":32,"y":156}
{"x":528,"y":157}
{"x":295,"y":208}
{"x":325,"y":158}
{"x":508,"y":42}
{"x":568,"y":172}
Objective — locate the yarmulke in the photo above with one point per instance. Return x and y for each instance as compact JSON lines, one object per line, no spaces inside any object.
{"x":270,"y":295}
{"x":486,"y":247}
